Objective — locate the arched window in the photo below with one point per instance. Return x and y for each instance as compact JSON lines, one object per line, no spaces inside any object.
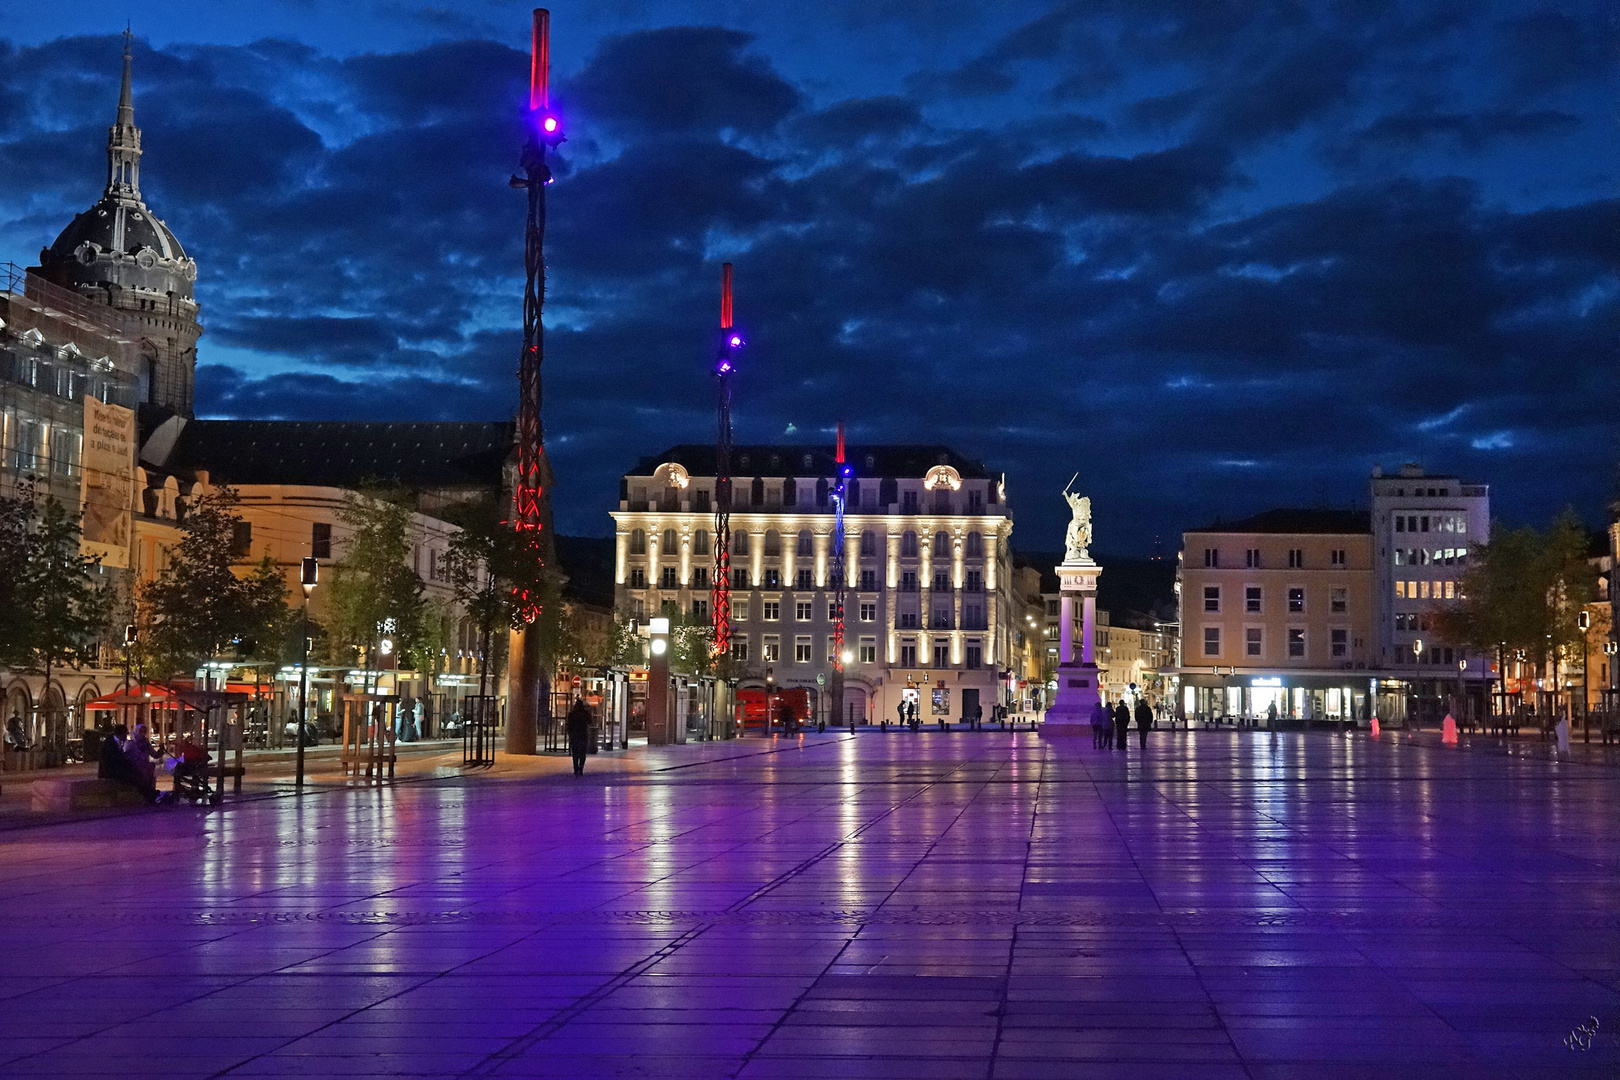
{"x":739,"y":542}
{"x":638,"y":541}
{"x":975,"y":545}
{"x":773,"y":542}
{"x":942,"y":545}
{"x":700,"y":542}
{"x":671,"y":542}
{"x":868,"y":543}
{"x":908,"y":545}
{"x":805,"y":544}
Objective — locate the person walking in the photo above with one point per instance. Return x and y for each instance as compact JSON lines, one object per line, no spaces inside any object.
{"x":1102,"y":726}
{"x":1144,"y":720}
{"x":579,"y":734}
{"x":1122,"y":723}
{"x":900,"y":711}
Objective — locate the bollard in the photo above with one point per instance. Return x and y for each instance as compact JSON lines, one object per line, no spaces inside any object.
{"x":1375,"y":727}
{"x":1448,"y":730}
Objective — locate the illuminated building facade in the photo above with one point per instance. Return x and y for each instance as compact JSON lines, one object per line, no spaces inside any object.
{"x":930,"y":601}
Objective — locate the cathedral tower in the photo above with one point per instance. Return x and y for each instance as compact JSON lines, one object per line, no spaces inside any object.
{"x":118,"y":253}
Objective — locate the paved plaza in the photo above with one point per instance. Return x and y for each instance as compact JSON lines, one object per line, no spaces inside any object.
{"x":934,"y":905}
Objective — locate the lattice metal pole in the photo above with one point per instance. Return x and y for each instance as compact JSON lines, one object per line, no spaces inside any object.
{"x":724,"y":367}
{"x":835,"y":688}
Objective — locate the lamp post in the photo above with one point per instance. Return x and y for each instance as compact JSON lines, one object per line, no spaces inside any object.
{"x":309,"y":575}
{"x":129,"y":643}
{"x":1583,"y":620}
{"x":1417,"y":658}
{"x":848,"y":658}
{"x":770,"y":699}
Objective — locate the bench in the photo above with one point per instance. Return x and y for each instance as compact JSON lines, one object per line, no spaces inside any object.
{"x":85,"y":794}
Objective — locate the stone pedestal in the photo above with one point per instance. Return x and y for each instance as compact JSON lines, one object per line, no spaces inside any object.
{"x":1077,"y":675}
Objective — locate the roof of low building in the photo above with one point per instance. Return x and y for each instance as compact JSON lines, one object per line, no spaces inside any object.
{"x":1295,"y":520}
{"x":346,"y":453}
{"x":816,"y":459}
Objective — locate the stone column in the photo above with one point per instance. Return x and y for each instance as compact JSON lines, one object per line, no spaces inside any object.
{"x":1088,"y":628}
{"x":1077,"y":677}
{"x":1066,"y":629}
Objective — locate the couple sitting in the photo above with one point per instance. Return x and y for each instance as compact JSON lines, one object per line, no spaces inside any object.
{"x":132,"y":759}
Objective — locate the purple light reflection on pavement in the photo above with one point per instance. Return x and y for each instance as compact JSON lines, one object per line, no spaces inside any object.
{"x":966,"y":904}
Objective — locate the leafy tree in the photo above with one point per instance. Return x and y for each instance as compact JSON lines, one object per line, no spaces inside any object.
{"x":498,"y":573}
{"x":17,"y":512}
{"x":374,"y":585}
{"x":199,"y":606}
{"x":1522,"y":593}
{"x":65,"y":603}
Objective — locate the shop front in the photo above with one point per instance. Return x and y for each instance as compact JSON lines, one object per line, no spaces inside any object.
{"x":1279,"y":699}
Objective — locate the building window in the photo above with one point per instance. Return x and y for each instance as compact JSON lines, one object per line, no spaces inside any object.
{"x":801,"y":650}
{"x":1212,"y":598}
{"x":801,"y":611}
{"x":1400,"y":523}
{"x":671,"y":541}
{"x":739,"y":542}
{"x":772,"y":652}
{"x":1251,"y":557}
{"x":942,"y":581}
{"x":942,"y":619}
{"x":1296,"y":558}
{"x":773,"y":578}
{"x":701,"y":545}
{"x":908,"y":581}
{"x":973,"y":655}
{"x":975,"y":543}
{"x":908,"y":545}
{"x":973,"y":617}
{"x":773,"y":542}
{"x":241,"y":538}
{"x":1336,"y":557}
{"x":666,"y":579}
{"x":868,"y":651}
{"x":868,"y":543}
{"x":1296,"y":599}
{"x":908,"y":654}
{"x":1339,"y":601}
{"x":1251,"y":599}
{"x":739,"y":579}
{"x":739,"y":610}
{"x":638,"y":541}
{"x":1341,"y":643}
{"x":1296,"y":642}
{"x":868,"y":612}
{"x":700,"y":610}
{"x":805,"y":545}
{"x":773,"y":610}
{"x":803,"y":581}
{"x":1212,"y":641}
{"x":700,"y":502}
{"x":975,"y":501}
{"x":868,"y":581}
{"x":1053,"y":608}
{"x":975,"y":581}
{"x":700,"y":577}
{"x":638,"y":577}
{"x":908,"y":502}
{"x":1212,"y":557}
{"x":739,"y":649}
{"x":1253,"y":640}
{"x":908,"y":620}
{"x":942,"y":654}
{"x":320,"y":540}
{"x":832,"y":611}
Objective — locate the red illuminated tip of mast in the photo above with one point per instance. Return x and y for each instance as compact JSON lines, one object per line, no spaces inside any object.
{"x":840,"y":457}
{"x":540,"y":61}
{"x":725,"y":296}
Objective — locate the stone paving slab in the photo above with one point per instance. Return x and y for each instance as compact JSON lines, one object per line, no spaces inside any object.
{"x":878,"y":905}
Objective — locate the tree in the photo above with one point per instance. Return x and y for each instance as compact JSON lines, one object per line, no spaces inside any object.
{"x":199,"y":606}
{"x":497,"y":573}
{"x":1522,"y":593}
{"x":17,"y":512}
{"x":63,"y":600}
{"x":375,"y":590}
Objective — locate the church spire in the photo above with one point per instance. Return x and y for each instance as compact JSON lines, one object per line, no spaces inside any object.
{"x":124,"y":139}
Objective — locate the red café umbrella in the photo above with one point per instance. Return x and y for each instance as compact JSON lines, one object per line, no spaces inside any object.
{"x":139,"y":694}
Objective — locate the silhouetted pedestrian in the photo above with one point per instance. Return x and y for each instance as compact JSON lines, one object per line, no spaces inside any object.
{"x":1144,"y":720}
{"x":1122,"y":724}
{"x":579,"y":734}
{"x":1102,"y":726}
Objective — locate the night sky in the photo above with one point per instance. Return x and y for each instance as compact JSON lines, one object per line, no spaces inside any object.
{"x":1216,"y":256}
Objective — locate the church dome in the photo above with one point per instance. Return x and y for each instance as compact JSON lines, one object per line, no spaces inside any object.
{"x":119,"y":242}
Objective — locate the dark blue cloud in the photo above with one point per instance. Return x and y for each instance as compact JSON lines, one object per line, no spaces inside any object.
{"x":1216,"y":255}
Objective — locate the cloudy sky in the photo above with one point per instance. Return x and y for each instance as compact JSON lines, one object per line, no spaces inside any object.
{"x":1216,"y":255}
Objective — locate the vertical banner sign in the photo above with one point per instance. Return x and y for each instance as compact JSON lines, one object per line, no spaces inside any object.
{"x":107,"y":481}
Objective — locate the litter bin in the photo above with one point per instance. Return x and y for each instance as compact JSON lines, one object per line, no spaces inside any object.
{"x":92,"y":745}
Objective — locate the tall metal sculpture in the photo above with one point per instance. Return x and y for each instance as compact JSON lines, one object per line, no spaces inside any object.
{"x":840,"y":495}
{"x":725,"y":365}
{"x":545,"y":132}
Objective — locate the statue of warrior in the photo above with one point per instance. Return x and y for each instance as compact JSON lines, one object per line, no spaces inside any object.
{"x":1078,"y":537}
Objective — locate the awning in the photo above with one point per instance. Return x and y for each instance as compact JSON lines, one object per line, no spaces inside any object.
{"x":139,"y":694}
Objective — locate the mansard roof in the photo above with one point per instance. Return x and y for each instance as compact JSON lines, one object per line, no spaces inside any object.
{"x":905,"y":461}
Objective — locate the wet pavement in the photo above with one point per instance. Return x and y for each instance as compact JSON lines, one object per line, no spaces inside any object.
{"x":879,"y":905}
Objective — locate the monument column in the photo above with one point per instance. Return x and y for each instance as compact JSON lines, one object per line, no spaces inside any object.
{"x":1088,"y":624}
{"x":1066,"y":629}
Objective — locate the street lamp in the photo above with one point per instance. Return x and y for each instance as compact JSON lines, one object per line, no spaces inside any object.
{"x":129,"y":643}
{"x":309,"y":576}
{"x":1583,"y":620}
{"x":770,"y":698}
{"x":1417,"y":658}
